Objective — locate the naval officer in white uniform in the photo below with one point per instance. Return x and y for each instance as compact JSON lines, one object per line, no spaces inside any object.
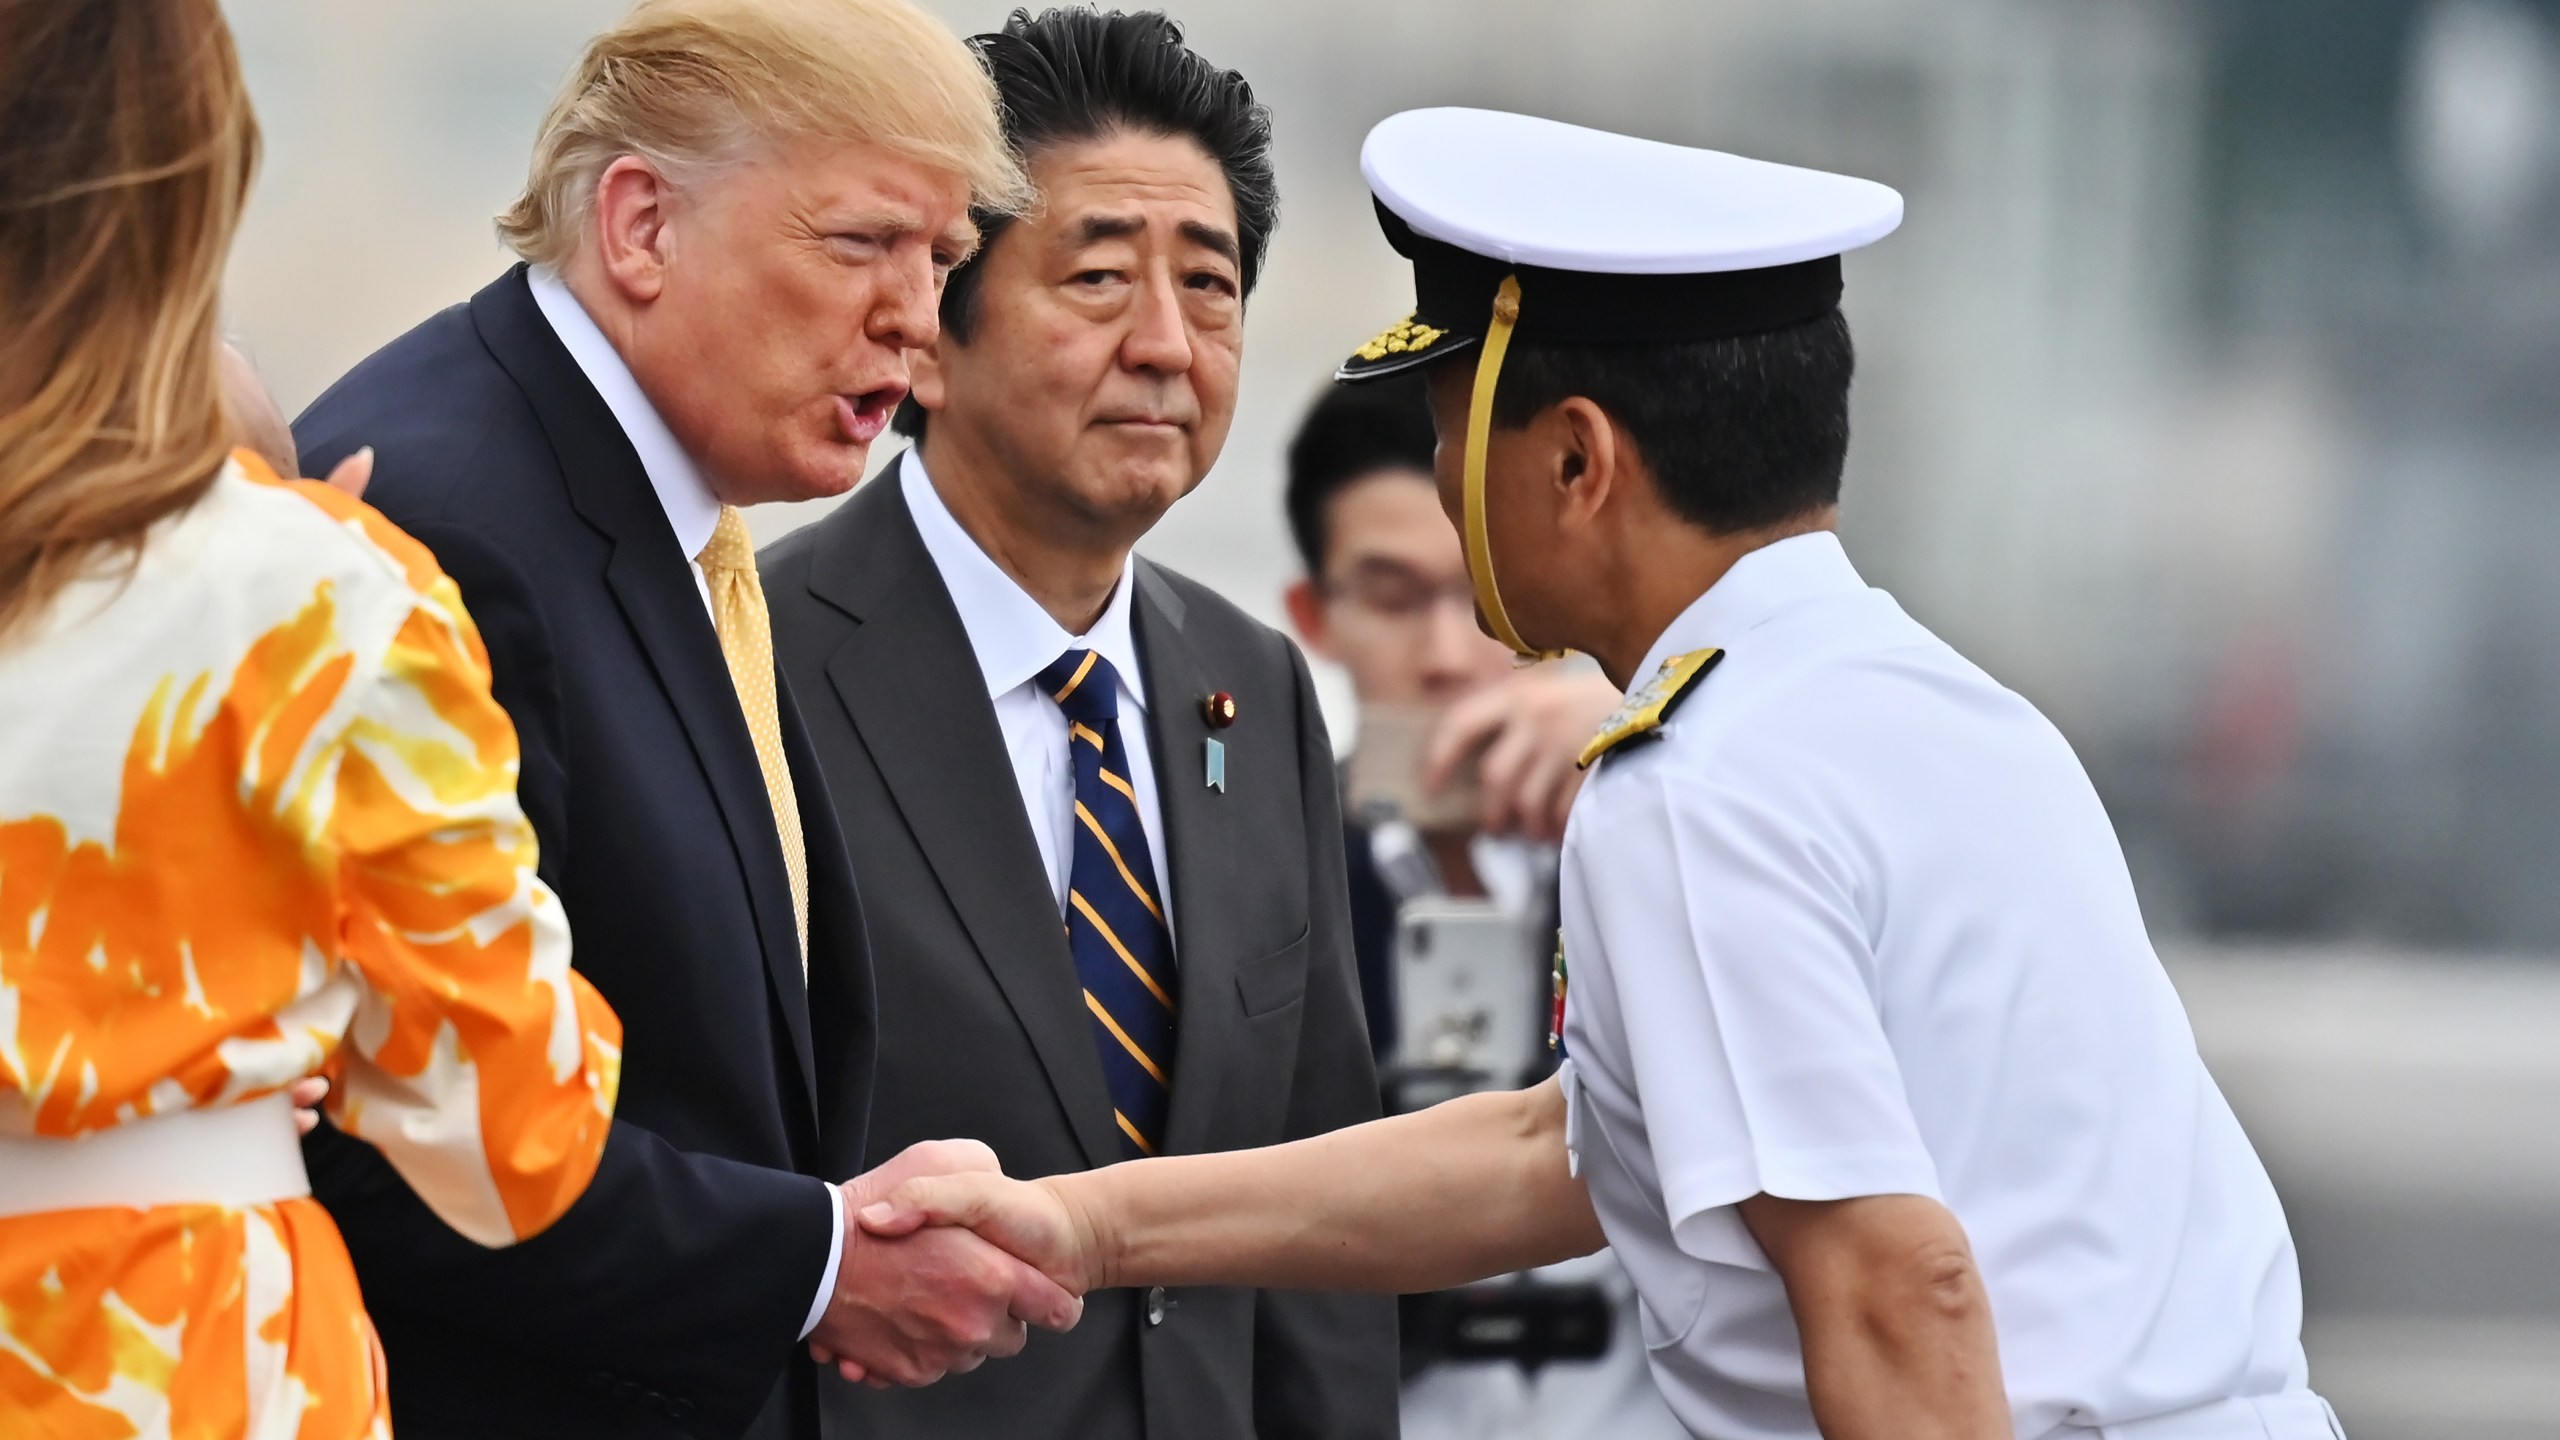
{"x":1873,"y":1078}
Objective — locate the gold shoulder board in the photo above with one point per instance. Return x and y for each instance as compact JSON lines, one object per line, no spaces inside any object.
{"x":1650,"y":703}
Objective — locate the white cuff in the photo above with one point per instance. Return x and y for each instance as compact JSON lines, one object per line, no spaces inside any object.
{"x":835,"y":1257}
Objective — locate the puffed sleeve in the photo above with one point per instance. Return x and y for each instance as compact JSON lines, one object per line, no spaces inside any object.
{"x":1742,"y":1005}
{"x":479,"y":1063}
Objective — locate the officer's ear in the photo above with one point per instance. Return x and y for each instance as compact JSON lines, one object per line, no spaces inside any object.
{"x":1590,"y":459}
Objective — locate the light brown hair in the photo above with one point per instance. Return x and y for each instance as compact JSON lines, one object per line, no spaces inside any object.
{"x":126,"y":150}
{"x":692,"y":85}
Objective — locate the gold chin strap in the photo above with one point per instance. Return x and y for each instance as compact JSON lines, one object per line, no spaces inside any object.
{"x":1497,"y":341}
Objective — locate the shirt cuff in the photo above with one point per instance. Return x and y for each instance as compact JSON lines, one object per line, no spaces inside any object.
{"x":835,"y":1257}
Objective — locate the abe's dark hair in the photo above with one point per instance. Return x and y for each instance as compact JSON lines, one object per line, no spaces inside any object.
{"x":1739,"y":434}
{"x":1351,"y":432}
{"x":1075,"y":74}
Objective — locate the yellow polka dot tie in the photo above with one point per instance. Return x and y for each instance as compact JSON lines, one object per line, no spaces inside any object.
{"x":746,"y":641}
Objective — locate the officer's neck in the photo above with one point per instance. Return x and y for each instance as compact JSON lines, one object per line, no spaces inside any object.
{"x":1661,"y":571}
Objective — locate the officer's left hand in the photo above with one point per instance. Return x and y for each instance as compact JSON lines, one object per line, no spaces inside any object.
{"x":1530,"y":728}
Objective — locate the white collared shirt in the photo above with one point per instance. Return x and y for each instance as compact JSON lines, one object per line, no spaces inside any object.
{"x":1856,"y":924}
{"x":1015,"y":640}
{"x":693,"y":512}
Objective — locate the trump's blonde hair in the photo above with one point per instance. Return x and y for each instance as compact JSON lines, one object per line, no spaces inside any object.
{"x":126,"y":150}
{"x":692,"y":85}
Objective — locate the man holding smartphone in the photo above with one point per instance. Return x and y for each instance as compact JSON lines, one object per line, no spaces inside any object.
{"x":1462,"y":775}
{"x":1464,"y":764}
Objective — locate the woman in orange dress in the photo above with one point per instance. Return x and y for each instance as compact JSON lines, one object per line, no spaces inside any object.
{"x":257,"y":811}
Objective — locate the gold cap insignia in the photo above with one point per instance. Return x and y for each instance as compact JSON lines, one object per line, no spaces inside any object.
{"x":1407,"y":336}
{"x":1650,"y":703}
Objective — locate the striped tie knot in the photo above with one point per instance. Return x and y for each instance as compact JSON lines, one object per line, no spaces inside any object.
{"x":1084,"y":685}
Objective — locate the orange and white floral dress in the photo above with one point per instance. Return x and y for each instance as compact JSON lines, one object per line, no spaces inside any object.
{"x":258,"y":821}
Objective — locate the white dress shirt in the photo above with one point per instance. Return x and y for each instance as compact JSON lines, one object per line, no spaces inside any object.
{"x":693,"y":512}
{"x":1015,"y":640}
{"x":1856,"y":924}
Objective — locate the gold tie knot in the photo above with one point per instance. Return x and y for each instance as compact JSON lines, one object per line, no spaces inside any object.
{"x":730,"y":548}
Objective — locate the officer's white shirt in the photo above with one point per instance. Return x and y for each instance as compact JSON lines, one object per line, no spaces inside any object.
{"x":1014,"y":640}
{"x":1855,"y":925}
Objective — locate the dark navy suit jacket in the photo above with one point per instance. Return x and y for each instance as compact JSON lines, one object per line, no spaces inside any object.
{"x":669,"y":1300}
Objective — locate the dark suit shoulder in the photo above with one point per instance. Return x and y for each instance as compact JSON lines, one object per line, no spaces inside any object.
{"x":787,"y":561}
{"x":1216,"y":625}
{"x":858,"y":556}
{"x":448,"y":425}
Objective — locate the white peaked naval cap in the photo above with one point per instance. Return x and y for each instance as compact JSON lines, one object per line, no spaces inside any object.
{"x":1610,"y":238}
{"x":1541,"y":192}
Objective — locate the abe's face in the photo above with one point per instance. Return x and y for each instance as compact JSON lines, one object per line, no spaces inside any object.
{"x":790,"y":289}
{"x":1108,"y":329}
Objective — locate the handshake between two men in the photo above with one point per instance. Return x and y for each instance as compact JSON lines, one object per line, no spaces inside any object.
{"x":947,"y":1260}
{"x":913,"y":1305}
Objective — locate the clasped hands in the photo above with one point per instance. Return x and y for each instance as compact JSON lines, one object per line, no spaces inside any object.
{"x":946,"y":1263}
{"x":920,"y":1294}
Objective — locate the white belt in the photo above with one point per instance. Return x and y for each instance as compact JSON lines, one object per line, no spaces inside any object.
{"x":2293,"y":1415}
{"x":235,"y":1155}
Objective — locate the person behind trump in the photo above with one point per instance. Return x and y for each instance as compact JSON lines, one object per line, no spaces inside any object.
{"x":257,"y":811}
{"x":736,"y":225}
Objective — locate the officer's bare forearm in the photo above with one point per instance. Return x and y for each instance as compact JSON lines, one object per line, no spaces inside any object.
{"x":1474,"y":1187}
{"x":1898,"y":1343}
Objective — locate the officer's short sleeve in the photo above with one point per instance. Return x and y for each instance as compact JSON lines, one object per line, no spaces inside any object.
{"x":1743,"y":990}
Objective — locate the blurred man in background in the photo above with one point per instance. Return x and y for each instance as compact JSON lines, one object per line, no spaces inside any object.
{"x":1464,"y":774}
{"x":1092,"y":805}
{"x":1466,"y":767}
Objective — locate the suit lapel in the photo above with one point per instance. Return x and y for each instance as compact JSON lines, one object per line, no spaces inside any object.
{"x":652,"y":580}
{"x":909,"y":681}
{"x":1203,"y":841}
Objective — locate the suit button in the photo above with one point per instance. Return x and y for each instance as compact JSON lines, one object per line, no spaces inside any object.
{"x":599,"y":1380}
{"x":654,"y":1403}
{"x":627,"y":1391}
{"x":1156,"y":1306}
{"x":679,"y":1409}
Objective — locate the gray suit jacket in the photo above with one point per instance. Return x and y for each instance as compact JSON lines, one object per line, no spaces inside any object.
{"x":983,"y":1032}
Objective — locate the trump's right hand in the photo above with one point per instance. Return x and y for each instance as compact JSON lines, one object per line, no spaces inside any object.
{"x":913,"y":1307}
{"x":1026,"y":1218}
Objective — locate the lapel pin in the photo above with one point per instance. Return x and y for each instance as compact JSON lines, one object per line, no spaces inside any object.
{"x":1219,"y":710}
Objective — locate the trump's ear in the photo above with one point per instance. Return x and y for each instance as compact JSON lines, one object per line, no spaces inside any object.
{"x":631,"y":228}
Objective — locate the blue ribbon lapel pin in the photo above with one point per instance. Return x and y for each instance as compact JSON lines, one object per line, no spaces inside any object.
{"x":1219,"y":710}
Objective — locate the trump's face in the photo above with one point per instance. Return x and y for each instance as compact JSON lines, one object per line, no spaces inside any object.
{"x":779,"y":298}
{"x":1099,"y":372}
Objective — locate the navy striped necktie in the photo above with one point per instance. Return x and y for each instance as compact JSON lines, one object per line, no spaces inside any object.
{"x":1115,"y":919}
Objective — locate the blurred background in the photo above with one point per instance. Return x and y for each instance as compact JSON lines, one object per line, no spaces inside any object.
{"x":2208,"y":398}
